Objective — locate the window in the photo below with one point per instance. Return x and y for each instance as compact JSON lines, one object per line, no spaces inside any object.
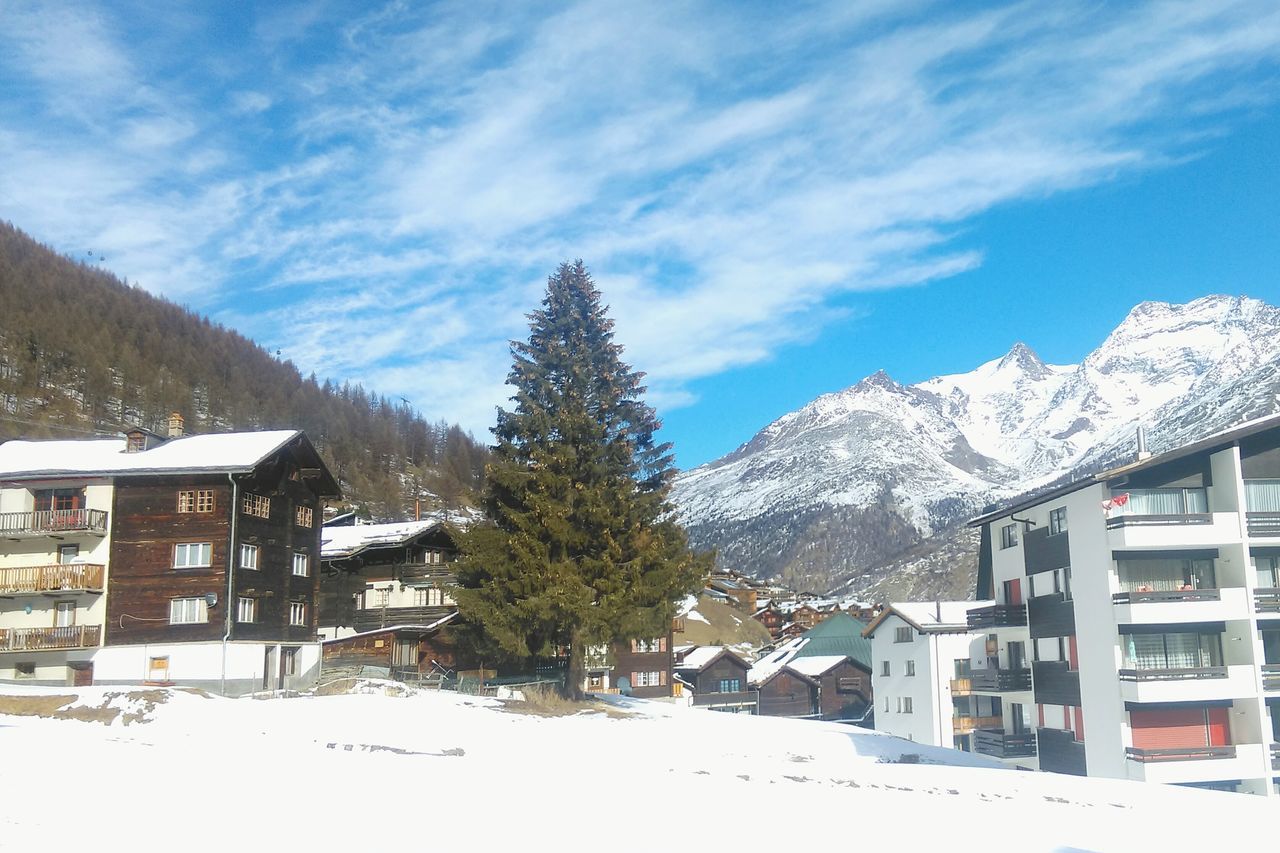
{"x":301,"y":565}
{"x":24,"y":670}
{"x":247,"y":611}
{"x":906,"y":705}
{"x":257,"y":505}
{"x":1161,"y":502}
{"x":59,"y":500}
{"x":195,"y":500}
{"x":249,"y":557}
{"x":886,"y":704}
{"x":188,"y":611}
{"x":302,"y":516}
{"x":849,"y":684}
{"x":297,"y":613}
{"x":884,"y":668}
{"x":1267,"y":570}
{"x":192,"y":555}
{"x":68,"y":553}
{"x":911,"y":667}
{"x":1008,"y":536}
{"x":657,"y":678}
{"x":902,"y":634}
{"x":289,"y":660}
{"x":1166,"y":575}
{"x":136,"y":441}
{"x":1057,"y":521}
{"x":730,"y":685}
{"x":1172,"y":651}
{"x":658,"y":644}
{"x":65,"y":614}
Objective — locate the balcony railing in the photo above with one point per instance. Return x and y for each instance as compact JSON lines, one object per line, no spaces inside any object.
{"x":964,"y":725}
{"x":1263,"y":523}
{"x":1165,"y":596}
{"x":1173,"y":674}
{"x":1275,"y":756}
{"x":1159,"y":520}
{"x":41,"y":639}
{"x":53,"y":521}
{"x":373,"y":618}
{"x":1001,"y":744}
{"x":1001,"y":680}
{"x":1182,"y":753}
{"x":742,"y":697}
{"x":1271,"y":676}
{"x":998,"y":616}
{"x":961,"y":686}
{"x":66,"y":576}
{"x":1266,"y":600}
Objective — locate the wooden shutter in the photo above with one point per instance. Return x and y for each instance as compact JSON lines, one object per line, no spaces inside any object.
{"x":1219,"y":731}
{"x":1079,"y":724}
{"x":1170,"y":729}
{"x":1073,"y":653}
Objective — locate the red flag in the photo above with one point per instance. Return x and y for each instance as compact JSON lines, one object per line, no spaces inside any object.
{"x":1115,"y":502}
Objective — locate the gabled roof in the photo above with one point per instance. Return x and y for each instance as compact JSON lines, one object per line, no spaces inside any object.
{"x":703,"y":656}
{"x":816,"y":666}
{"x":214,"y":453}
{"x":838,"y":634}
{"x":439,"y":623}
{"x":924,"y":616}
{"x":342,"y":541}
{"x":805,"y":677}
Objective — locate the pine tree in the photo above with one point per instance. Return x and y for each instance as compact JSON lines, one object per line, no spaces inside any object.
{"x":579,"y":548}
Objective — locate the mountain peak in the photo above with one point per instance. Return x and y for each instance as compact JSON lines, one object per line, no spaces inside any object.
{"x":879,"y":379}
{"x":1025,"y":359}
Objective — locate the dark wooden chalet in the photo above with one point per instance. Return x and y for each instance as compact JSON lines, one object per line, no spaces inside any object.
{"x":406,"y":653}
{"x":788,"y":693}
{"x":643,"y":668}
{"x":718,"y":679}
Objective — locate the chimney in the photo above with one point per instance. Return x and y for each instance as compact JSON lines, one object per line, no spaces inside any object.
{"x":1143,"y":453}
{"x":175,"y":425}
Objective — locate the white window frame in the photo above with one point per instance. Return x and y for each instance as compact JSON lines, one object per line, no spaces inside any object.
{"x":246,"y":610}
{"x":903,"y":634}
{"x":304,"y":562}
{"x":1009,"y":536}
{"x":204,"y":554}
{"x":298,"y":613}
{"x":885,"y":669}
{"x":253,"y":553}
{"x":1057,"y":520}
{"x":188,"y":611}
{"x":911,"y":668}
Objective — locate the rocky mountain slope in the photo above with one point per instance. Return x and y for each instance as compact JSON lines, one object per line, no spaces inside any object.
{"x":832,"y":494}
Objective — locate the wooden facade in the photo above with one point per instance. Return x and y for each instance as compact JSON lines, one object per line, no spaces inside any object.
{"x":788,"y":693}
{"x":633,"y":658}
{"x":398,"y":649}
{"x":152,"y":540}
{"x":844,"y":691}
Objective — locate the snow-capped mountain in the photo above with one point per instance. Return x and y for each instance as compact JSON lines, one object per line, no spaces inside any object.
{"x":860,"y":475}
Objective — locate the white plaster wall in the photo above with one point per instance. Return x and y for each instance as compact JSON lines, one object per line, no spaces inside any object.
{"x":200,"y":663}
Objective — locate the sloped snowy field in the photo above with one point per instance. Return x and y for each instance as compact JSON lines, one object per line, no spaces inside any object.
{"x":377,"y":772}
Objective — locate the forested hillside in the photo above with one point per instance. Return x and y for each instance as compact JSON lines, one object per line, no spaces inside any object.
{"x":83,"y":352}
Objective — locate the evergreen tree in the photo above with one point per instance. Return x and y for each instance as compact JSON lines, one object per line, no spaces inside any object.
{"x":579,"y":548}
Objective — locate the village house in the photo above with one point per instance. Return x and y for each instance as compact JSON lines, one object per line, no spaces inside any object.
{"x":188,"y":560}
{"x":717,"y":679}
{"x":835,"y":657}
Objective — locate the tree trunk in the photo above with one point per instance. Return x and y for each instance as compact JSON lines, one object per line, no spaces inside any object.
{"x":577,"y":671}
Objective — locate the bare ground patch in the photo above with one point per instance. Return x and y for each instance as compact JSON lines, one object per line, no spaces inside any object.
{"x":140,"y":704}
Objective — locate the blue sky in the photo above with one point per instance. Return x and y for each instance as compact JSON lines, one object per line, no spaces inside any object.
{"x":775,"y":199}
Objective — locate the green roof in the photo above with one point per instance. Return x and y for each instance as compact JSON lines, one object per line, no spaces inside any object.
{"x":838,"y":634}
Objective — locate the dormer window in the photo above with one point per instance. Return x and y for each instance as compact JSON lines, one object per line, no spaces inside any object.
{"x":136,"y":441}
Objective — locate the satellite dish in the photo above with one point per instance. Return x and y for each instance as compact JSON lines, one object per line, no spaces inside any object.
{"x":211,"y":598}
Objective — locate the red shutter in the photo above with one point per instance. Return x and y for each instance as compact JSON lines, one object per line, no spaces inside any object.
{"x":1170,"y":729}
{"x":1073,"y":654}
{"x":1040,"y":709}
{"x":1013,"y":591}
{"x":1079,"y":724}
{"x":1219,"y":732}
{"x":1066,"y":718}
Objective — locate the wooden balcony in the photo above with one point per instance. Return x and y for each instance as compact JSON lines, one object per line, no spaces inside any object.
{"x":74,"y":577}
{"x":1001,"y":680}
{"x":43,"y":639}
{"x":742,"y":698}
{"x":52,"y":522}
{"x":961,"y":686}
{"x":964,"y":725}
{"x":1185,"y":753}
{"x":373,"y":618}
{"x":998,"y":616}
{"x":1001,"y":744}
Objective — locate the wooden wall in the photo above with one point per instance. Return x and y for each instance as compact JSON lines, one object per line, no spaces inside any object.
{"x":787,"y":694}
{"x":837,"y":703}
{"x":627,"y":662}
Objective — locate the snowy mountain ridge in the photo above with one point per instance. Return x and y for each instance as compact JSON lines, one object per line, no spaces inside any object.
{"x":858,"y":475}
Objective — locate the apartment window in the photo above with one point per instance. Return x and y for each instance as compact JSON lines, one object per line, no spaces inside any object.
{"x":884,"y":668}
{"x":24,"y":669}
{"x":257,"y":505}
{"x":64,"y":614}
{"x":247,"y":611}
{"x":730,"y":685}
{"x":906,"y":705}
{"x":297,"y":613}
{"x":1162,"y":502}
{"x":886,"y":704}
{"x":902,"y":634}
{"x":1172,"y":651}
{"x":59,"y":500}
{"x":302,"y":516}
{"x":1165,"y":575}
{"x":289,"y":660}
{"x":1267,"y":570}
{"x":188,"y":611}
{"x":377,"y":597}
{"x":1057,"y":521}
{"x":249,"y":557}
{"x":301,"y":564}
{"x":192,"y":555}
{"x":911,"y":667}
{"x":1009,"y":536}
{"x":195,"y":500}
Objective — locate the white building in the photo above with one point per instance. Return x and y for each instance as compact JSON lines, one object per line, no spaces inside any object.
{"x":921,"y":653}
{"x":1136,"y":629}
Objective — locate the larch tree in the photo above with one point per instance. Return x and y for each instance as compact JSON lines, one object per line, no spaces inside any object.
{"x":579,"y":548}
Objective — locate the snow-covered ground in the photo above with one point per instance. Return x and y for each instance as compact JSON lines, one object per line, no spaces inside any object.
{"x":424,"y":770}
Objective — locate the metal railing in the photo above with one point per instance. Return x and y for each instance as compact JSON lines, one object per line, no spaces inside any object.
{"x":1165,"y":596}
{"x":53,"y":521}
{"x":1271,"y":676}
{"x":1159,"y":520}
{"x":1173,"y":674}
{"x":1003,"y":744}
{"x":1001,"y":680}
{"x":40,"y":639}
{"x":998,"y":616}
{"x":63,"y":576}
{"x":1266,"y":600}
{"x":1263,"y":523}
{"x":1182,"y":753}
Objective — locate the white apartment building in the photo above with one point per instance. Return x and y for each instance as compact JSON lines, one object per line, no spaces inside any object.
{"x":1135,"y":632}
{"x":921,"y":679}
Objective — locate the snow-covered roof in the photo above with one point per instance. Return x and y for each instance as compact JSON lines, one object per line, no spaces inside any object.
{"x":232,"y":452}
{"x":439,"y":623}
{"x":816,"y":665}
{"x":346,"y":540}
{"x":703,"y":655}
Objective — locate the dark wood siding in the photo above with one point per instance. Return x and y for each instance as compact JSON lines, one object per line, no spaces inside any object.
{"x":1043,"y":552}
{"x":627,"y":663}
{"x":787,"y":694}
{"x":146,"y":525}
{"x":845,"y":692}
{"x":1051,"y":616}
{"x":1056,"y":683}
{"x":1060,"y":752}
{"x":727,"y":667}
